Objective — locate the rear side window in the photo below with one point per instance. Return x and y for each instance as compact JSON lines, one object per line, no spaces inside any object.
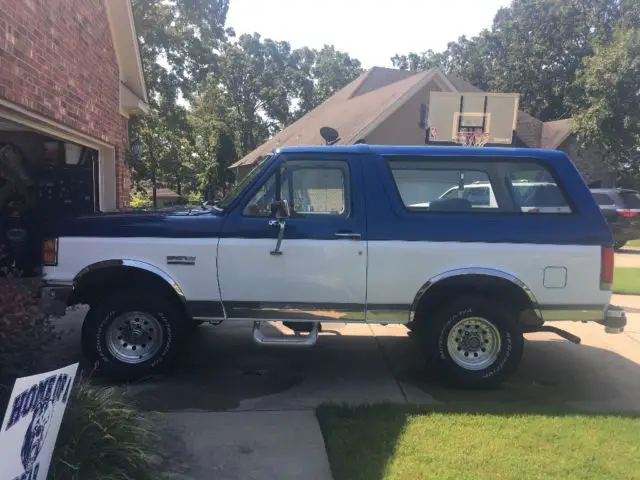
{"x":631,"y":199}
{"x":535,"y":189}
{"x":424,"y":187}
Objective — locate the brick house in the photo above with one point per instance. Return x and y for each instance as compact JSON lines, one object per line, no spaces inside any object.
{"x":70,"y":71}
{"x":70,"y":78}
{"x":383,"y":106}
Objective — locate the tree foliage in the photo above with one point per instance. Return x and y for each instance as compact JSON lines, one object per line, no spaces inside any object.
{"x":555,"y":54}
{"x":215,"y":97}
{"x":611,"y":84}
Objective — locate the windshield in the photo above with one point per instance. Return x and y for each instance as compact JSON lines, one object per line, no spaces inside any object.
{"x":240,"y":186}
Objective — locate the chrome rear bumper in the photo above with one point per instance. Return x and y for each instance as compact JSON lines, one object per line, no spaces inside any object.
{"x":612,"y":317}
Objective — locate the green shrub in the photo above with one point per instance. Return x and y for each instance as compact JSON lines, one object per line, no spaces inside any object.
{"x":141,"y":199}
{"x":102,"y":438}
{"x":26,"y":331}
{"x":194,"y":198}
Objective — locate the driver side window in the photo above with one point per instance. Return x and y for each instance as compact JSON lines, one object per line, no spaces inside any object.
{"x":310,"y":187}
{"x":260,"y":204}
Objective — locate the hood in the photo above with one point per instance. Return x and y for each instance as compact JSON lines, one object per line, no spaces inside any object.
{"x":195,"y":223}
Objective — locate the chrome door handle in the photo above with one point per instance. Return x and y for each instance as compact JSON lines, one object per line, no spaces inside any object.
{"x":281,"y":226}
{"x":352,"y":236}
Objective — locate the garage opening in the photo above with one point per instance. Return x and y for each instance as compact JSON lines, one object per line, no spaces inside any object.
{"x":43,"y":179}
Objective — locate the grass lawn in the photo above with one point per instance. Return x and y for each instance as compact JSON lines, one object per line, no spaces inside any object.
{"x":627,"y":281}
{"x":414,"y":443}
{"x":633,"y":243}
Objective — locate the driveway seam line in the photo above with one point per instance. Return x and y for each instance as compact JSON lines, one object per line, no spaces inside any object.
{"x":389,"y":365}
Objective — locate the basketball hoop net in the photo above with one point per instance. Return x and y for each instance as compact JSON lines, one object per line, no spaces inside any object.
{"x":472,"y":139}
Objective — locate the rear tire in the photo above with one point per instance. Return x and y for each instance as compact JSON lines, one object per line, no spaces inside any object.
{"x":473,"y":342}
{"x":132,"y":334}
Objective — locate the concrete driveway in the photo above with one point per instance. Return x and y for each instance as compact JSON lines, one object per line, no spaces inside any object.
{"x":231,"y":409}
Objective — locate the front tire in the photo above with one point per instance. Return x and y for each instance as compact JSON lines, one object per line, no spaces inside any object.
{"x":472,"y":342}
{"x":132,"y":334}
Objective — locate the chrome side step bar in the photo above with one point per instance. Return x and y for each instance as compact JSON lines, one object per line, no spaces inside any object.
{"x":287,"y":340}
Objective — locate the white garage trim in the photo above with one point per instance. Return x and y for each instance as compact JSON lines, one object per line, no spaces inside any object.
{"x":133,"y":90}
{"x":46,"y":126}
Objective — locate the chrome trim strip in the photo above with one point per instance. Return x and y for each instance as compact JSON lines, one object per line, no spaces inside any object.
{"x":133,"y":264}
{"x":389,"y":314}
{"x":297,"y":320}
{"x":490,"y":272}
{"x":57,"y":283}
{"x":316,"y":312}
{"x":573,"y":313}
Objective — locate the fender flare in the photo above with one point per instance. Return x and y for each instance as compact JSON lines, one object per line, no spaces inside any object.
{"x":488,"y":272}
{"x":138,"y":264}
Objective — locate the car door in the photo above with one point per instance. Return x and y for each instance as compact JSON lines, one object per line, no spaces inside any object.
{"x":318,"y":269}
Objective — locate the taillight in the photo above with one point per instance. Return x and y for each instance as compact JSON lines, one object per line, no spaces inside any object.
{"x":627,"y":213}
{"x":606,"y":268}
{"x":50,"y":252}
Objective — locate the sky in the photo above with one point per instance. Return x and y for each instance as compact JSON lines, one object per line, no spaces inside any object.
{"x":369,"y":30}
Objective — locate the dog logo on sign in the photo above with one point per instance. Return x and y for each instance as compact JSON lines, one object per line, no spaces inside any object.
{"x":36,"y":433}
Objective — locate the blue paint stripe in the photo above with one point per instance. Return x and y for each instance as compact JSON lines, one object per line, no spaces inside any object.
{"x":376,"y":212}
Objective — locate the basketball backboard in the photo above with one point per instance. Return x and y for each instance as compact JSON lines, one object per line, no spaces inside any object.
{"x":454,"y":116}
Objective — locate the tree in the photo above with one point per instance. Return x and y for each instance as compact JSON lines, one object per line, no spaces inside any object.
{"x":179,"y":45}
{"x":179,"y":41}
{"x":215,"y":97}
{"x":332,"y":70}
{"x":214,"y":151}
{"x":610,"y":118}
{"x":534,"y":48}
{"x":268,"y":85}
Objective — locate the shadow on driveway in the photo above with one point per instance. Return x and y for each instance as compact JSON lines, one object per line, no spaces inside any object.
{"x":224,"y":370}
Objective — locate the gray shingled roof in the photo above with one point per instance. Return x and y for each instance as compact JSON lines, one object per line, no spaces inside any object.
{"x":555,"y":132}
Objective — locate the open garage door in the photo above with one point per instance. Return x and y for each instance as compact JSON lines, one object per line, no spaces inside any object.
{"x":43,"y":179}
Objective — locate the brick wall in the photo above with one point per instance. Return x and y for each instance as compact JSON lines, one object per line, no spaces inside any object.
{"x":57,"y":59}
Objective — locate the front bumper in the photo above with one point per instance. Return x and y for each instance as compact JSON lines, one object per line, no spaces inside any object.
{"x":55,"y":297}
{"x":612,"y":317}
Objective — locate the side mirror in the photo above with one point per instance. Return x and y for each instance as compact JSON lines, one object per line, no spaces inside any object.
{"x":280,"y":209}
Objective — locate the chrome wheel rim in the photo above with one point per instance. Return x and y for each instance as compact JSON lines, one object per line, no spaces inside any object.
{"x":474,"y":343}
{"x":134,"y":337}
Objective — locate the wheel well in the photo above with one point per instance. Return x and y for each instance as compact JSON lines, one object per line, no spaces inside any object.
{"x":502,"y":289}
{"x":93,"y":285}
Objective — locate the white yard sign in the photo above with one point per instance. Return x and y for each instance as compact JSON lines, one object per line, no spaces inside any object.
{"x":30,"y":426}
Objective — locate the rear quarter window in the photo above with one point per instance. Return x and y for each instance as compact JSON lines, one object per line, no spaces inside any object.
{"x":535,"y":189}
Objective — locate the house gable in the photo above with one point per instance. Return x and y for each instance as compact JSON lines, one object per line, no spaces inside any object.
{"x":402,"y":127}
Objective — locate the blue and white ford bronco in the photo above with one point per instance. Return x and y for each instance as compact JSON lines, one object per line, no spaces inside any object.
{"x":356,"y":234}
